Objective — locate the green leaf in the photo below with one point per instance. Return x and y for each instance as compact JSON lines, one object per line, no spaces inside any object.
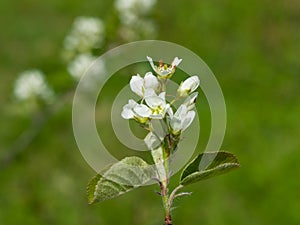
{"x":207,"y":165}
{"x":119,"y":178}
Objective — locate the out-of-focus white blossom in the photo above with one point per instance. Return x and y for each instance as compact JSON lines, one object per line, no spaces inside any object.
{"x":83,"y":62}
{"x":86,"y":34}
{"x":31,"y":84}
{"x":140,"y":29}
{"x":134,"y":22}
{"x":131,"y":10}
{"x":188,"y":86}
{"x":163,"y":70}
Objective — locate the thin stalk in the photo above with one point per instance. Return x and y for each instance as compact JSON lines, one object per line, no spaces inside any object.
{"x":161,"y":159}
{"x":166,"y":200}
{"x":163,"y":85}
{"x":173,"y":195}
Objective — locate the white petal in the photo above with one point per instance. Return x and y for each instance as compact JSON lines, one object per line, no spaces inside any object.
{"x":132,"y":103}
{"x":127,"y":112}
{"x":150,"y":81}
{"x":149,"y":92}
{"x":151,"y":63}
{"x":136,"y":85}
{"x":186,"y":85}
{"x":154,"y":101}
{"x":166,"y":109}
{"x":175,"y":124}
{"x":176,"y":62}
{"x":170,"y":112}
{"x":181,"y":112}
{"x":162,"y":95}
{"x":186,"y":122}
{"x":189,"y":85}
{"x":195,"y":83}
{"x":142,"y":111}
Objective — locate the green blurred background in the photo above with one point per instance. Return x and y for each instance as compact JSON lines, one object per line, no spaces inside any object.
{"x":252,"y":47}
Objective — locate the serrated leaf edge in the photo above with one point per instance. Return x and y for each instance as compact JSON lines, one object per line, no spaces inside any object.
{"x":102,"y":178}
{"x":193,"y":160}
{"x":234,"y":166}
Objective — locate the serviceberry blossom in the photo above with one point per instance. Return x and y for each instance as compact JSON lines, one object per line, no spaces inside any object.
{"x":133,"y":110}
{"x":164,"y":134}
{"x":155,"y":108}
{"x":181,"y":120}
{"x":153,"y":104}
{"x":157,"y":105}
{"x":163,"y":70}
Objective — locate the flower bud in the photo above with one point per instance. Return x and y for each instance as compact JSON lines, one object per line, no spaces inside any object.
{"x":188,"y":86}
{"x":181,"y":120}
{"x":163,"y":70}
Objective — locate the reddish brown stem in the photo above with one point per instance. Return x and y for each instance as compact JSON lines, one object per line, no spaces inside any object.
{"x":168,"y":220}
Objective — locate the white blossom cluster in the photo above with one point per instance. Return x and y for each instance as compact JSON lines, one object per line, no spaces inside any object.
{"x":87,"y":33}
{"x":134,"y":21}
{"x":32,"y":84}
{"x":131,"y":10}
{"x":153,"y":104}
{"x":79,"y":65}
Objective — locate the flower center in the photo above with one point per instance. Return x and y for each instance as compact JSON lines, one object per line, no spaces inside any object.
{"x":157,"y":110}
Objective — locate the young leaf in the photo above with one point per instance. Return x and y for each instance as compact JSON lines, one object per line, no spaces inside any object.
{"x":119,"y":178}
{"x":207,"y":165}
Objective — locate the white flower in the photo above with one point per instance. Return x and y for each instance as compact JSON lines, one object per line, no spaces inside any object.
{"x":181,"y":120}
{"x":155,"y":108}
{"x":188,"y":86}
{"x":164,"y":71}
{"x":127,"y":112}
{"x":157,"y":105}
{"x":31,"y":84}
{"x":136,"y":111}
{"x":87,"y":33}
{"x":144,"y":86}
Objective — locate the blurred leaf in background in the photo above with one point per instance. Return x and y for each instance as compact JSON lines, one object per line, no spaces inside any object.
{"x":252,"y":47}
